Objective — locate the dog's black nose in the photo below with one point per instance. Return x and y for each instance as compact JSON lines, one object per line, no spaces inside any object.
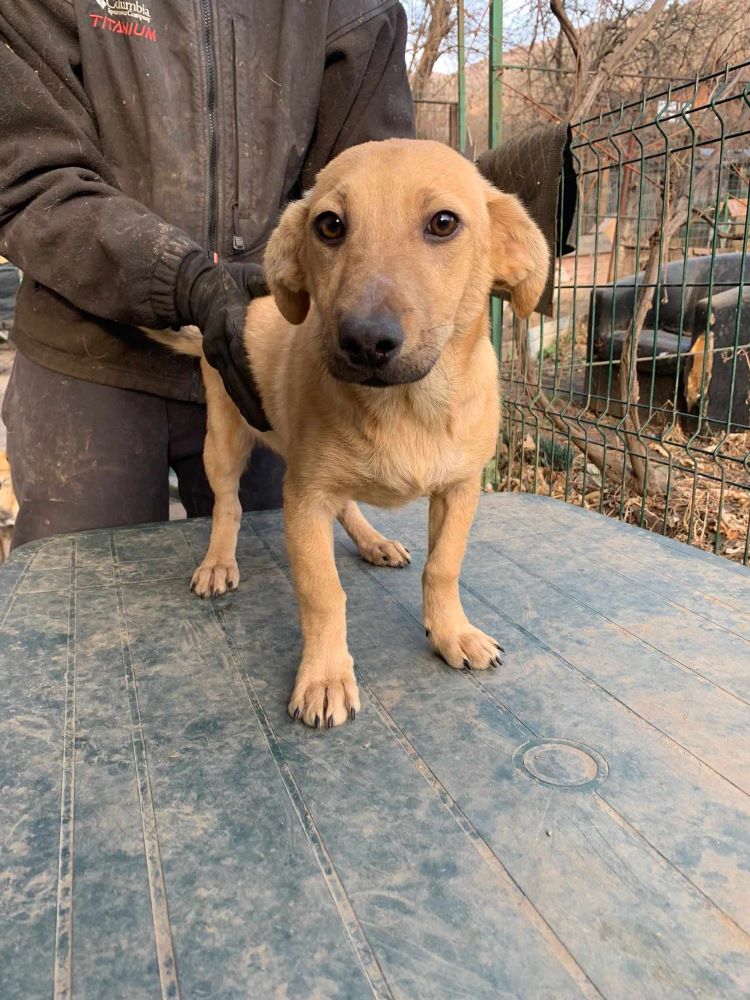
{"x":370,"y":341}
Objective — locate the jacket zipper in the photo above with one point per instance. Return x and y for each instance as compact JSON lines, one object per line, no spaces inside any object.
{"x":213,"y":139}
{"x":238,"y":243}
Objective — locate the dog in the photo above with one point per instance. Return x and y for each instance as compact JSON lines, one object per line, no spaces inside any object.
{"x":8,"y":507}
{"x":380,"y":382}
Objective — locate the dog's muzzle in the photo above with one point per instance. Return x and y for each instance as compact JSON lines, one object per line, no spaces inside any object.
{"x":370,"y":343}
{"x":368,"y":351}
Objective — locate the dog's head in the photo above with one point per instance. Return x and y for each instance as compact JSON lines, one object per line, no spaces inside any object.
{"x":398,"y":244}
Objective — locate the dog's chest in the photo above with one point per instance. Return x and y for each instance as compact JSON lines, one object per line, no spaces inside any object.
{"x":413,"y":462}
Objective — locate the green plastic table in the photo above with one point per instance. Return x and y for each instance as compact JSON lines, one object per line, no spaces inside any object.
{"x":574,"y":824}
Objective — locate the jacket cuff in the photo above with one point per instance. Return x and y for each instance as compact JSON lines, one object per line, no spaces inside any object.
{"x":164,"y":280}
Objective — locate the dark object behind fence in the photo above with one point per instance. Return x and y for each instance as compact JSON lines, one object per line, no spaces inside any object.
{"x":700,"y":300}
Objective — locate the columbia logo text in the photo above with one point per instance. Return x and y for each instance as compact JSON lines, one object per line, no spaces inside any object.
{"x":104,"y":23}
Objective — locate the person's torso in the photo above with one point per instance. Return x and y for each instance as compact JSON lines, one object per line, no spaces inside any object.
{"x":205,"y":108}
{"x":204,"y":111}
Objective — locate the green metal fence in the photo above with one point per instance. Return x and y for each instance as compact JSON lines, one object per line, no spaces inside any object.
{"x":634,"y":398}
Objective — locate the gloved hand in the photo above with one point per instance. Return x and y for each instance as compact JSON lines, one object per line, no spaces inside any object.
{"x":215,"y":297}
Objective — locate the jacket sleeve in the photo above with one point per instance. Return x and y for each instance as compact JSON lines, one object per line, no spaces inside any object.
{"x":365,"y":92}
{"x":62,"y":220}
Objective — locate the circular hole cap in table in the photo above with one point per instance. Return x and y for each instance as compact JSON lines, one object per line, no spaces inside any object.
{"x":562,"y":763}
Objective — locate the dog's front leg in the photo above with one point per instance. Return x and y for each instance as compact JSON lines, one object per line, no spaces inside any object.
{"x":451,"y":634}
{"x":325,"y":691}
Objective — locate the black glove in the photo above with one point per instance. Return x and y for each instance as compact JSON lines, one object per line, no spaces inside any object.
{"x":215,"y":297}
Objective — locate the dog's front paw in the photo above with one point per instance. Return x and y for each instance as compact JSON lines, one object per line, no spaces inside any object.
{"x":465,"y":647}
{"x":384,"y":552}
{"x":214,"y":577}
{"x":325,"y":695}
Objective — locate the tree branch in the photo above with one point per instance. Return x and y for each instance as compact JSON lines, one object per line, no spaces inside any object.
{"x":615,"y":60}
{"x":566,"y":25}
{"x":567,"y":28}
{"x":438,"y":29}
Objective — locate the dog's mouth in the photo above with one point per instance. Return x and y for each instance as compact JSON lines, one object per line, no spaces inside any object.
{"x":400,"y":371}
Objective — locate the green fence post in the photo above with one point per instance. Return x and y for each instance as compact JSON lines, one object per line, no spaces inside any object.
{"x":496,"y":73}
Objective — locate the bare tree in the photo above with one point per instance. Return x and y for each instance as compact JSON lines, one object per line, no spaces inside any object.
{"x":610,"y":51}
{"x":432,"y":30}
{"x":589,"y":80}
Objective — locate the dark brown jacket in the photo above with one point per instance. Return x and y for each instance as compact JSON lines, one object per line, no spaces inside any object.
{"x":135,"y":131}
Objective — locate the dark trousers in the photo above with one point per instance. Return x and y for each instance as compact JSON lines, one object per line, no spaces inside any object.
{"x":87,"y":456}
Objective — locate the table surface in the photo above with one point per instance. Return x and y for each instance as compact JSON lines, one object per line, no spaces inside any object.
{"x":577,"y":823}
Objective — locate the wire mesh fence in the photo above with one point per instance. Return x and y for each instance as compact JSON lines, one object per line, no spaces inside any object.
{"x":634,"y":398}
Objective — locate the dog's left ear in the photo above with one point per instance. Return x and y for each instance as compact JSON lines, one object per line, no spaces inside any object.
{"x":282,"y":263}
{"x":519,"y":255}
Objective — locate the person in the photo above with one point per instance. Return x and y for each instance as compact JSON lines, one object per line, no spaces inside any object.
{"x":147,"y":149}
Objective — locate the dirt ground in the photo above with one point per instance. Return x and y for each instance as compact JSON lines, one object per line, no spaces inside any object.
{"x":707,"y":502}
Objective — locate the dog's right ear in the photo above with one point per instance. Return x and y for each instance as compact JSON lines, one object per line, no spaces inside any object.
{"x":282,"y":264}
{"x":519,"y":255}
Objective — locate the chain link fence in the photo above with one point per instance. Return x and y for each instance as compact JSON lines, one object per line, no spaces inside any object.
{"x":634,"y":398}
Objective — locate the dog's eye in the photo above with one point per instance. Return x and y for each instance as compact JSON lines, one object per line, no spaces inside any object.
{"x":443,"y":224}
{"x":329,"y":227}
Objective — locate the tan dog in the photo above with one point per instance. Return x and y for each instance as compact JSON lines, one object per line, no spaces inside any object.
{"x":8,"y":507}
{"x":380,"y":382}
